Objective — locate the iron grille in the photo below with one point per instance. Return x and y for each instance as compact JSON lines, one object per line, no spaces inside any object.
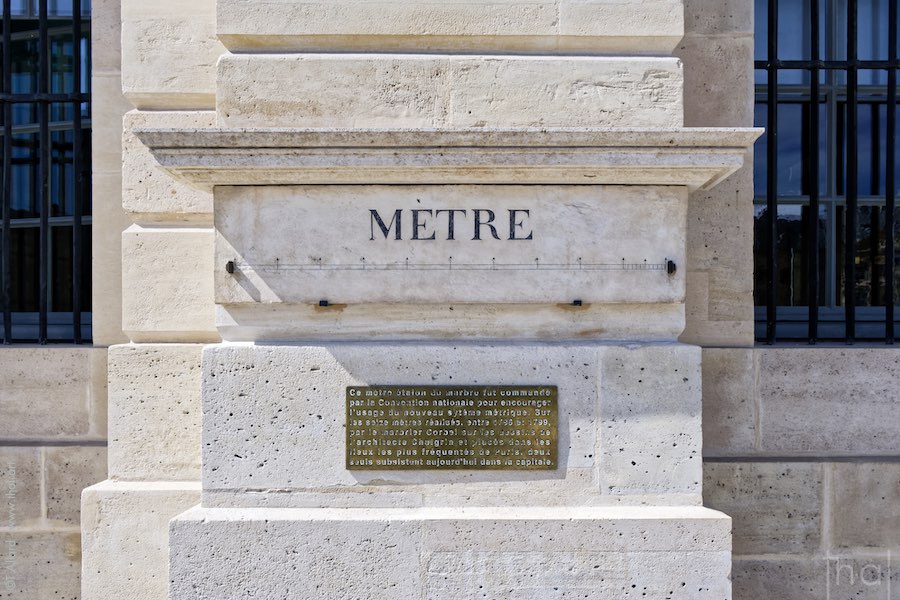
{"x":842,"y":286}
{"x":45,"y":126}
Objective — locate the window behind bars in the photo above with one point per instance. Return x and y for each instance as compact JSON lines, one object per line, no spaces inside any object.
{"x":45,"y":249}
{"x":826,"y":170}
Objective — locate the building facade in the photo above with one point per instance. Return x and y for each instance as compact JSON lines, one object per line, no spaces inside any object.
{"x":799,"y":441}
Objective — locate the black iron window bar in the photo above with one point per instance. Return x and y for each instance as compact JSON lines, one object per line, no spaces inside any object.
{"x":42,"y":100}
{"x":852,"y":65}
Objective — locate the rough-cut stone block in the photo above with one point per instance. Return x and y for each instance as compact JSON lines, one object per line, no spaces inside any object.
{"x":429,"y":91}
{"x":53,"y":392}
{"x":650,"y":27}
{"x":154,"y":411}
{"x":829,"y":401}
{"x":718,"y":80}
{"x":729,"y":401}
{"x":776,"y":508}
{"x":274,"y":418}
{"x":865,"y":505}
{"x":167,"y":284}
{"x":450,"y":553}
{"x":38,"y":565}
{"x":146,"y":188}
{"x":389,"y":244}
{"x":125,"y":528}
{"x":20,"y":486}
{"x":649,"y":420}
{"x":169,"y":53}
{"x":781,"y":577}
{"x":68,"y":471}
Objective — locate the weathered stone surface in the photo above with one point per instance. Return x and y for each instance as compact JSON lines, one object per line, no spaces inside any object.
{"x":68,"y":471}
{"x":154,"y":407}
{"x":382,"y":244}
{"x":169,"y":53}
{"x":775,"y":507}
{"x":53,"y":392}
{"x":865,"y":505}
{"x":294,"y":396}
{"x":782,"y":577}
{"x":167,"y":276}
{"x":461,"y":553}
{"x":148,"y":190}
{"x":560,"y":322}
{"x":729,"y":401}
{"x":720,"y":238}
{"x":125,"y":528}
{"x":718,"y":80}
{"x":649,"y":420}
{"x":20,"y":486}
{"x":721,"y":17}
{"x":651,"y":27}
{"x":829,"y":401}
{"x":428,"y":91}
{"x":108,"y":219}
{"x":38,"y":565}
{"x":285,"y":397}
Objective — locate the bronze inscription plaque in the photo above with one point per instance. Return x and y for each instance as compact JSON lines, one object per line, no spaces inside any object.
{"x":478,"y":427}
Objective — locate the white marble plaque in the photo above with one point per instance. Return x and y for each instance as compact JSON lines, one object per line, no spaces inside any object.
{"x":449,"y":244}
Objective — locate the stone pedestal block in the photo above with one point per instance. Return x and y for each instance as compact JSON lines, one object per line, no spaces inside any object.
{"x":274,"y":418}
{"x":451,"y":553}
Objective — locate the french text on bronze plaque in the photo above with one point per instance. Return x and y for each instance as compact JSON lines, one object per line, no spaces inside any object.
{"x":499,"y":427}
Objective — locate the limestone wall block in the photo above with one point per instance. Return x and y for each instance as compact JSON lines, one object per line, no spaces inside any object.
{"x":440,"y":91}
{"x":776,"y":508}
{"x":720,"y":247}
{"x":109,"y":220}
{"x":70,"y":469}
{"x":169,"y":52}
{"x":651,"y":27}
{"x":167,"y":277}
{"x":45,"y":564}
{"x":106,"y":41}
{"x":829,"y":401}
{"x":729,"y":401}
{"x":782,"y":577}
{"x":722,"y":17}
{"x":154,"y":411}
{"x":148,"y":190}
{"x":20,"y":478}
{"x":53,"y":392}
{"x":650,"y":420}
{"x":718,"y":80}
{"x":864,"y":505}
{"x":125,"y":529}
